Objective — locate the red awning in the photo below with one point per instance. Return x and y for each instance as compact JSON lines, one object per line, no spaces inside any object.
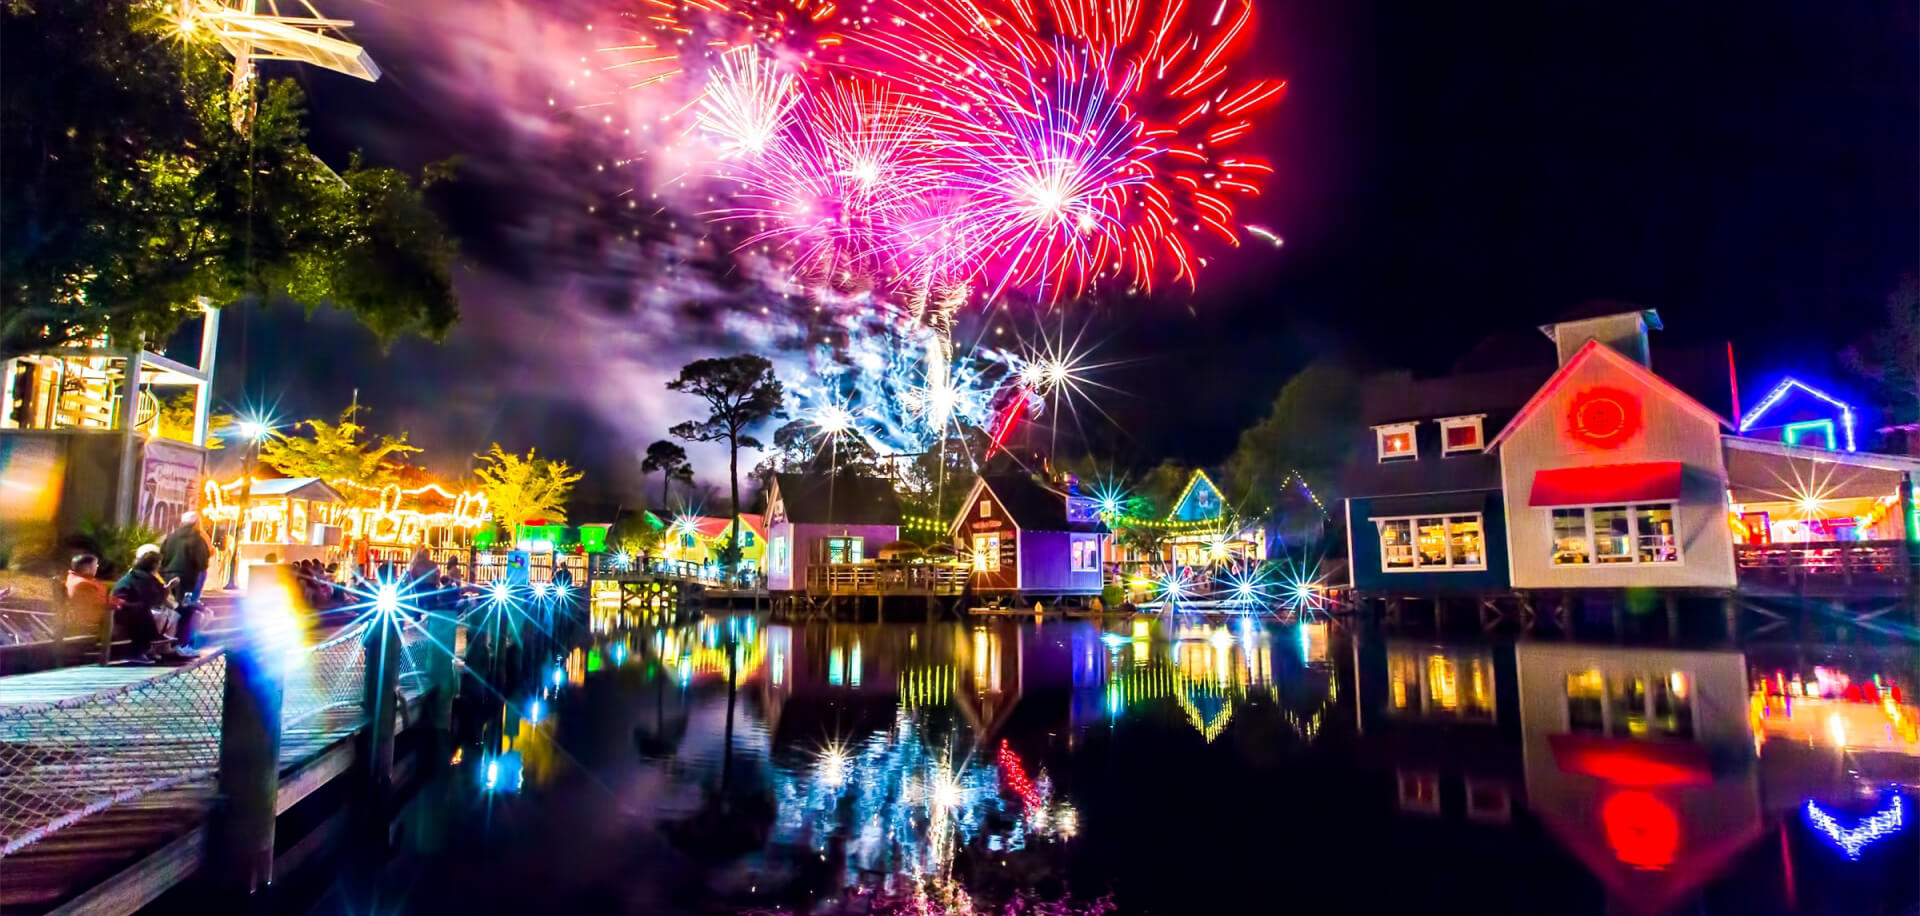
{"x":1606,"y":483}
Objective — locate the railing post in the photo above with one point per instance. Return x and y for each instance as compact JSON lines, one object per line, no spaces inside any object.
{"x":240,"y":834}
{"x":442,"y":630}
{"x":381,"y":683}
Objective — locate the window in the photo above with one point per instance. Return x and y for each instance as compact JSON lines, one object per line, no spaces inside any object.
{"x":1439,"y":543}
{"x":1419,"y":791}
{"x":1585,"y":693}
{"x":1396,"y":442}
{"x":1570,"y":537}
{"x":1086,"y":555}
{"x":777,"y":554}
{"x":1489,"y":801}
{"x":986,"y":552}
{"x":1441,"y":685}
{"x":845,"y":550}
{"x":746,"y":538}
{"x":986,"y":508}
{"x":1630,"y":704}
{"x":1461,"y":434}
{"x":1601,"y":535}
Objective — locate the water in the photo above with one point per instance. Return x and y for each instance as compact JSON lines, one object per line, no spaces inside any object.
{"x":1006,"y":766}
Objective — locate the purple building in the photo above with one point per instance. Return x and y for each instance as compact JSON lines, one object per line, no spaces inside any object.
{"x":1029,"y":539}
{"x":816,"y":522}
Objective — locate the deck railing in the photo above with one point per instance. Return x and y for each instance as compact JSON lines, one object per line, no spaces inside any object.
{"x":1838,"y":563}
{"x":882,"y":578}
{"x":62,"y":760}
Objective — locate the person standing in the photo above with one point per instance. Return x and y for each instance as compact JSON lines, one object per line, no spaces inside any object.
{"x":184,"y":558}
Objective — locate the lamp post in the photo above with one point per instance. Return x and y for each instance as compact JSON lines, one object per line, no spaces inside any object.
{"x":253,"y":431}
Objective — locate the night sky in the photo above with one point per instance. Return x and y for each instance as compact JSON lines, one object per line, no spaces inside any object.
{"x":1446,"y":171}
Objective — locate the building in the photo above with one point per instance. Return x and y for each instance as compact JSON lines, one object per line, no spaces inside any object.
{"x":279,"y":520}
{"x":815,"y":522}
{"x":1609,"y":475}
{"x":1030,"y":540}
{"x":702,"y":540}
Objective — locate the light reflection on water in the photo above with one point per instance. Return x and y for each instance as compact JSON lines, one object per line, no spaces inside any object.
{"x":942,"y":767}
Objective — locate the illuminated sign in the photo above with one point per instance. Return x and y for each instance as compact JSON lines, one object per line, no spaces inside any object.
{"x":1604,"y":417}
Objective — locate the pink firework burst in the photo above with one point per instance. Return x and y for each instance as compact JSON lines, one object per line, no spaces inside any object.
{"x":1096,"y":135}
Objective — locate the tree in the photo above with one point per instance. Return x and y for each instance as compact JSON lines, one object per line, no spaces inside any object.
{"x":1311,"y":428}
{"x":519,"y":489}
{"x":177,"y":415}
{"x":1891,"y":356}
{"x":800,"y":445}
{"x":741,"y":393}
{"x":636,"y":533}
{"x":338,"y":452}
{"x":671,"y":461}
{"x":131,"y":195}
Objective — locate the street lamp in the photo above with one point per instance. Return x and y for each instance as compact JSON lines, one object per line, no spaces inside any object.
{"x":254,"y":430}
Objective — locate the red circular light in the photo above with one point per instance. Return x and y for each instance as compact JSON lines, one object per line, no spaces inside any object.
{"x":1604,"y":417}
{"x":1643,"y":830}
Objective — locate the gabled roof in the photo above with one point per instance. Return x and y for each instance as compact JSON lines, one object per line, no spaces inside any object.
{"x":1198,"y":485}
{"x":296,"y":487}
{"x":1593,"y":350}
{"x":1032,"y":505}
{"x":842,"y":500}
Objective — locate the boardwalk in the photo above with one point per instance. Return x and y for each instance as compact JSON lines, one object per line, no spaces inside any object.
{"x":103,"y":768}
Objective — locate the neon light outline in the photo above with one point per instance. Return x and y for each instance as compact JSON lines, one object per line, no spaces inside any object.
{"x":1780,"y":391}
{"x":1851,"y":841}
{"x":1792,"y":433}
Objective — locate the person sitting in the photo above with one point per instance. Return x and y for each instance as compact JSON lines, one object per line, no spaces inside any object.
{"x":337,"y":593}
{"x":86,"y":595}
{"x":137,"y":597}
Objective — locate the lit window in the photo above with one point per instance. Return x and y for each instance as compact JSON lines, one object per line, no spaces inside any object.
{"x":1439,"y":543}
{"x":845,"y":550}
{"x":1642,"y":533}
{"x":986,"y":552}
{"x":1420,"y":792}
{"x":986,"y":508}
{"x":1460,"y":434}
{"x":1586,"y":692}
{"x":1397,"y":442}
{"x":1396,"y":543}
{"x":1086,"y":555}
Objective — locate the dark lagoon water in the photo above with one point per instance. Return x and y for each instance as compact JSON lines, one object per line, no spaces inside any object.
{"x":1166,"y":767}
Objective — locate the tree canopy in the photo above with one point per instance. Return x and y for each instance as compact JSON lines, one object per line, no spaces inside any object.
{"x":131,"y":194}
{"x":1310,"y":429}
{"x":740,"y":393}
{"x":670,"y":460}
{"x":1890,"y":356}
{"x":522,"y":488}
{"x":339,"y":451}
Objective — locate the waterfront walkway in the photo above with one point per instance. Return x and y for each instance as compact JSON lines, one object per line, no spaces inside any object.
{"x":107,"y":774}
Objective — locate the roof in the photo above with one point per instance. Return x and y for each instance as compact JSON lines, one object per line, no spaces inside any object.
{"x":1032,"y":505}
{"x":844,"y":499}
{"x":1592,"y":350}
{"x":298,"y":487}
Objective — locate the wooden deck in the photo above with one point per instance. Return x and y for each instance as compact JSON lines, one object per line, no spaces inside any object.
{"x":127,"y":723}
{"x":835,"y":579}
{"x":1832,"y":569}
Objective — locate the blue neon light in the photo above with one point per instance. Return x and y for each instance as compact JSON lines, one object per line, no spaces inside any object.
{"x":1886,"y":822}
{"x":1781,"y":390}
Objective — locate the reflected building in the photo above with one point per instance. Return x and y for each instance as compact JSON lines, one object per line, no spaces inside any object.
{"x":1447,"y":717}
{"x":1641,"y":762}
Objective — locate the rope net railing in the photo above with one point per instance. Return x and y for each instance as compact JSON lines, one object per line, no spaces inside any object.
{"x":64,"y":760}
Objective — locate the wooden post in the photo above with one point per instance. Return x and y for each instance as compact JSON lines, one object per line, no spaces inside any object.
{"x":240,"y":835}
{"x":442,"y":630}
{"x":381,"y":683}
{"x":1673,"y":617}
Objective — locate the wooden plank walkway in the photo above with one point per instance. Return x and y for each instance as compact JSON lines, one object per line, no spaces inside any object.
{"x":163,"y":727}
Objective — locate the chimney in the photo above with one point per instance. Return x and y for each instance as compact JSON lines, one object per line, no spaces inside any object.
{"x":1625,"y":332}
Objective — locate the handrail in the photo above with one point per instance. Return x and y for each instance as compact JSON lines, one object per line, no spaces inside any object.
{"x":64,"y":760}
